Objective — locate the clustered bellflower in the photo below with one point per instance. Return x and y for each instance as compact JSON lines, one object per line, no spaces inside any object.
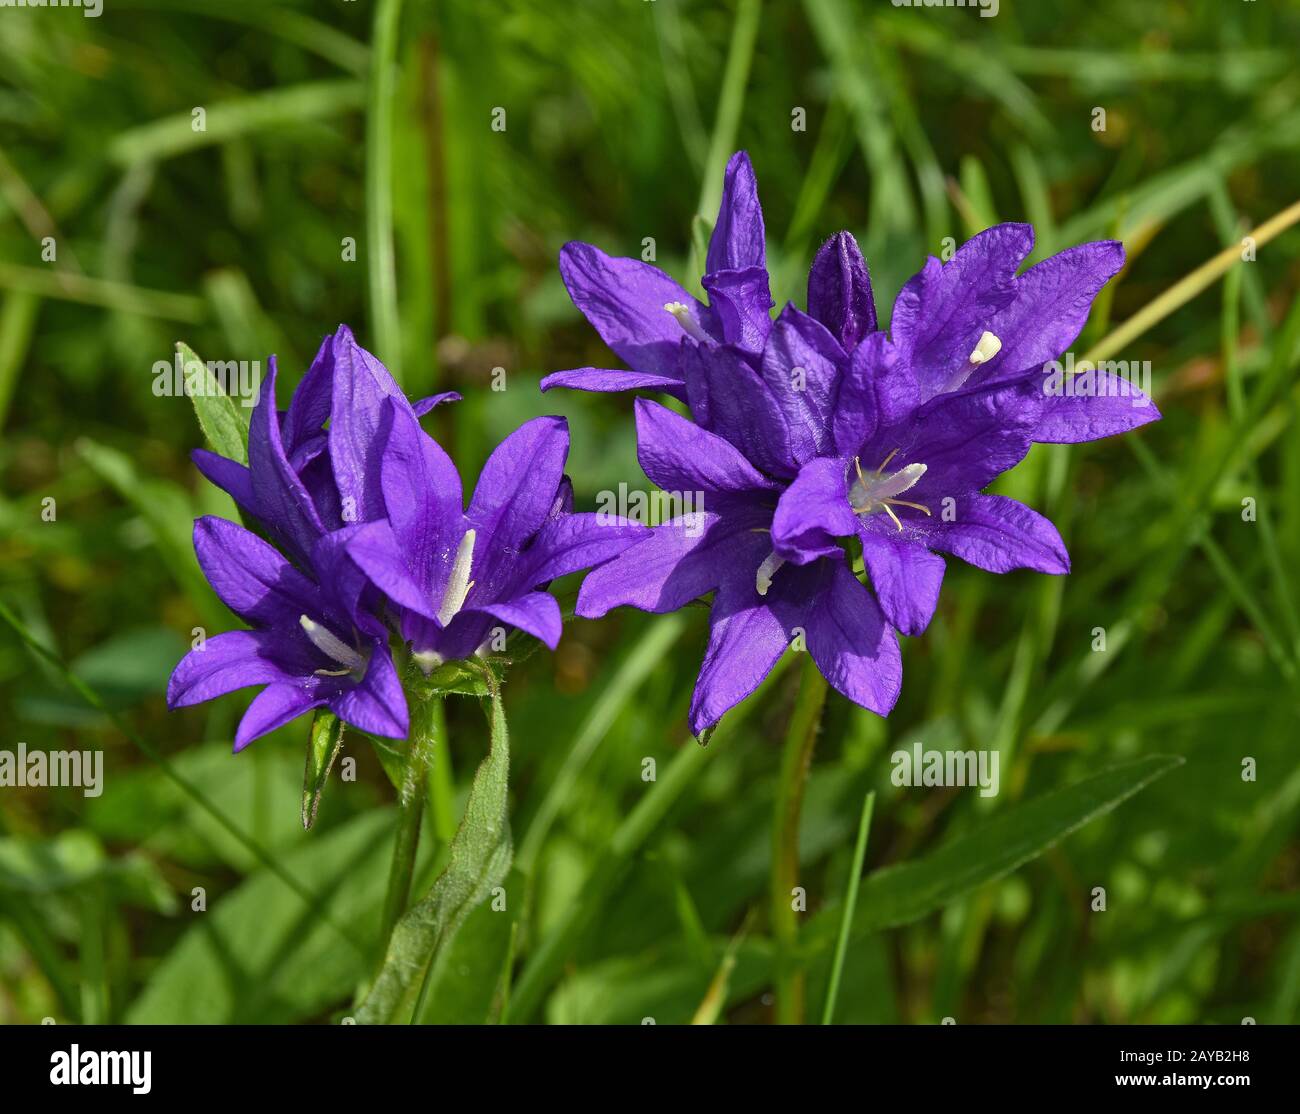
{"x":370,"y":545}
{"x":817,"y":434}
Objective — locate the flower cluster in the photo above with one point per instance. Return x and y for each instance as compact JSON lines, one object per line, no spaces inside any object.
{"x":816,"y":436}
{"x":364,"y":535}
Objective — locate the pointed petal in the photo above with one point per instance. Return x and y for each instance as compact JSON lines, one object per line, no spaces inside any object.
{"x":814,"y":511}
{"x":729,"y":398}
{"x":577,"y":541}
{"x":999,"y":534}
{"x":737,"y":239}
{"x":377,"y":553}
{"x":745,"y":640}
{"x":250,"y":576}
{"x":853,"y":646}
{"x":624,"y":300}
{"x":377,"y":705}
{"x":1051,"y":304}
{"x":273,"y":707}
{"x":905,"y":575}
{"x":534,"y":613}
{"x":681,"y":457}
{"x":518,"y":483}
{"x":357,"y":430}
{"x":839,"y":291}
{"x":228,"y":661}
{"x":282,"y":500}
{"x":309,"y":409}
{"x":424,"y":405}
{"x":681,"y":561}
{"x":1113,"y":405}
{"x":801,"y":366}
{"x":941,"y":313}
{"x":607,"y":379}
{"x":742,"y":303}
{"x":876,"y":391}
{"x":422,"y":498}
{"x":232,"y":477}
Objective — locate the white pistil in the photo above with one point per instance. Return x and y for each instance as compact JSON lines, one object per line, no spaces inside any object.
{"x":459,"y":583}
{"x":879,"y":490}
{"x":690,"y":326}
{"x":766,"y":571}
{"x":986,"y":348}
{"x":332,"y":648}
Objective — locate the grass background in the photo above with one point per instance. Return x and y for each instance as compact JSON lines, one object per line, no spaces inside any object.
{"x":632,"y":899}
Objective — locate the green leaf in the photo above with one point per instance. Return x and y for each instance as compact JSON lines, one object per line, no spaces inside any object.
{"x":258,"y":955}
{"x":224,"y":420}
{"x":901,"y":894}
{"x":478,"y":861}
{"x":322,"y":749}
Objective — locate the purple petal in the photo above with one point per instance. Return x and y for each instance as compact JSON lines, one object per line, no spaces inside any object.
{"x":624,"y":300}
{"x":380,"y":556}
{"x":377,"y":704}
{"x":853,"y":646}
{"x":422,"y":497}
{"x":801,"y":366}
{"x":518,"y":483}
{"x":1052,"y":302}
{"x":232,"y":477}
{"x":226,"y":662}
{"x":282,"y":500}
{"x":839,"y":291}
{"x":737,"y":239}
{"x":358,"y":428}
{"x":604,"y":379}
{"x":745,"y":640}
{"x":941,"y":313}
{"x":905,"y":575}
{"x":681,"y":561}
{"x":998,"y":534}
{"x":250,"y":576}
{"x":681,"y":457}
{"x":534,"y":613}
{"x":814,"y":511}
{"x":273,"y":707}
{"x":742,"y":303}
{"x":729,"y":398}
{"x":426,"y":404}
{"x":578,"y":541}
{"x":309,"y":409}
{"x":346,"y":584}
{"x":876,"y":391}
{"x":1112,"y":405}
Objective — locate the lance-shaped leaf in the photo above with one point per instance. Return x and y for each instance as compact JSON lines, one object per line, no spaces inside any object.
{"x":897,"y":895}
{"x":478,"y":861}
{"x":223,"y":420}
{"x":322,"y":749}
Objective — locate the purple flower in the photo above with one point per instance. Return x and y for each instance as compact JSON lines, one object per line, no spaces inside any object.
{"x":368,"y":537}
{"x":455,"y":575}
{"x":644,"y":316}
{"x":817,"y":437}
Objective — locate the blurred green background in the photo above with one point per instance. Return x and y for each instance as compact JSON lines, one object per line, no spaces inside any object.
{"x":634,"y":899}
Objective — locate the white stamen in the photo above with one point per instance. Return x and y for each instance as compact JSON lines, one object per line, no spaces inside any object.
{"x":766,"y":571}
{"x":988,"y":347}
{"x":458,"y":584}
{"x":690,"y":326}
{"x":332,"y":648}
{"x":879,"y":490}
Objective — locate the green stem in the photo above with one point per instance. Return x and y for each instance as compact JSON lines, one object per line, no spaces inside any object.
{"x":850,"y":905}
{"x":382,"y":270}
{"x":426,"y":715}
{"x":731,"y":100}
{"x":795,"y":761}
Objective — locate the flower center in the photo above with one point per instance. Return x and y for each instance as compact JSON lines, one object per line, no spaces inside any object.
{"x":690,"y":326}
{"x":878,"y":490}
{"x":987,"y":347}
{"x":453,"y":598}
{"x":333,"y":648}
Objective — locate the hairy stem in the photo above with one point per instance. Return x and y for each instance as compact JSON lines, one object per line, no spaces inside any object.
{"x":795,"y":761}
{"x":426,"y":718}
